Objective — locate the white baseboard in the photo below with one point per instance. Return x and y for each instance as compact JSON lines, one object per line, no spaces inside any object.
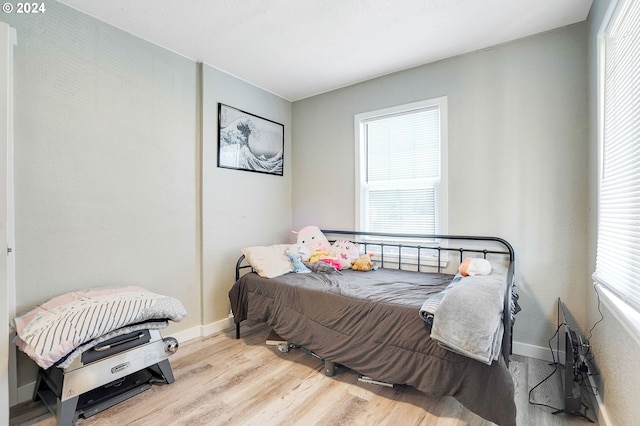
{"x":215,"y":327}
{"x":185,"y":335}
{"x":202,"y":330}
{"x":532,"y":351}
{"x":25,"y":392}
{"x":601,"y":412}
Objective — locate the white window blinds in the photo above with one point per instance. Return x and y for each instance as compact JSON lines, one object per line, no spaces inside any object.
{"x":400,"y":179}
{"x":618,"y":249}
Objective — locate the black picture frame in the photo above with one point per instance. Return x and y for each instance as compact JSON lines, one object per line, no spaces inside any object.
{"x":249,"y":142}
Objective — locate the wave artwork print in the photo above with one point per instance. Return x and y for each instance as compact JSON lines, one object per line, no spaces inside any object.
{"x":249,"y":142}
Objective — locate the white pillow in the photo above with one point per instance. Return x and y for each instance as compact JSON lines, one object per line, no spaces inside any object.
{"x":268,"y":261}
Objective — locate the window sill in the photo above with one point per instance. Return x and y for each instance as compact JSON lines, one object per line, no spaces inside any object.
{"x":627,"y":316}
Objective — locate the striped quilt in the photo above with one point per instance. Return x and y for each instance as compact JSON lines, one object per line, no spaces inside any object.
{"x":57,"y":327}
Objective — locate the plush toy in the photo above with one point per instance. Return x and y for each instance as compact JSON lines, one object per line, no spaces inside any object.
{"x":345,"y":251}
{"x":300,"y":251}
{"x":472,"y":266}
{"x":321,"y":267}
{"x":323,"y":256}
{"x":333,"y":262}
{"x":363,"y":263}
{"x":296,"y":264}
{"x":313,"y":238}
{"x":319,"y":254}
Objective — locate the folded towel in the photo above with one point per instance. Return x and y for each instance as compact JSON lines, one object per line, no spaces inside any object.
{"x":469,"y":317}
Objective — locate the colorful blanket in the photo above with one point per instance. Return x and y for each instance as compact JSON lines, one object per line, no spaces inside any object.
{"x":54,"y":329}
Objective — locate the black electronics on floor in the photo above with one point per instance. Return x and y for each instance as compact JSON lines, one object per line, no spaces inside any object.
{"x":106,"y":375}
{"x":575,"y":375}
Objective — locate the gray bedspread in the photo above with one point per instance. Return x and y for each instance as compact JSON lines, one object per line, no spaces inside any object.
{"x":369,"y":322}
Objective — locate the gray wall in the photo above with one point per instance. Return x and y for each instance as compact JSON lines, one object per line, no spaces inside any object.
{"x":112,"y":184}
{"x":104,"y":160}
{"x":615,"y":349}
{"x":240,"y":208}
{"x":517,"y":160}
{"x":105,"y":165}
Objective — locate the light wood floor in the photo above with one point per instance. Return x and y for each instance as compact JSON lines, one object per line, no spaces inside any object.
{"x":224,"y":381}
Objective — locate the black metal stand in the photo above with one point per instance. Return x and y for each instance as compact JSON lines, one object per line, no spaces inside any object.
{"x":49,"y":386}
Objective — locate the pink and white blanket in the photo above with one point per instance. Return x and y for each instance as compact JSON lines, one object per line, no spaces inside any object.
{"x":54,"y":329}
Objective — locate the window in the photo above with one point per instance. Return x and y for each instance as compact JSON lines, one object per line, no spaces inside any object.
{"x":402,"y":169}
{"x":618,"y":246}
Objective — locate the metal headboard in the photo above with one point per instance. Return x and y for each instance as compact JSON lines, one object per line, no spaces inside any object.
{"x":419,"y":247}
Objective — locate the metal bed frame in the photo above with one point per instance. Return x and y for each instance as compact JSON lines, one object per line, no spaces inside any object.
{"x":367,"y":240}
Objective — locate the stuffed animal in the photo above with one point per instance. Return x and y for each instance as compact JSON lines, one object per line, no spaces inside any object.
{"x":318,"y":254}
{"x":472,"y":266}
{"x":333,"y":262}
{"x":345,"y":251}
{"x":323,"y":256}
{"x":321,"y":267}
{"x":296,"y":264}
{"x":300,"y":251}
{"x":313,"y":238}
{"x":363,"y":263}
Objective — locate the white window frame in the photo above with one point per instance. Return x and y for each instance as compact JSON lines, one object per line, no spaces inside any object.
{"x":624,"y":313}
{"x":360,"y":153}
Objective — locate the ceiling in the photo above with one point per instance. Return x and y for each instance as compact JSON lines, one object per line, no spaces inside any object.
{"x":300,"y":48}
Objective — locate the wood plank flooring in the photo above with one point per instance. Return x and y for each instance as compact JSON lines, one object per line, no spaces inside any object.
{"x":224,"y":381}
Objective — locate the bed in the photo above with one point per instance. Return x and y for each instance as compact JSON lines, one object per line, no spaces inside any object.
{"x":374,"y":323}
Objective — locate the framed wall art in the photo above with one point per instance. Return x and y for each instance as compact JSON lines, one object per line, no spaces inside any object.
{"x":248,"y":142}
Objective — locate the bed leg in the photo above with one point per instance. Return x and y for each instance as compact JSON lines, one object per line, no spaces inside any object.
{"x":237,"y":330}
{"x":329,"y":368}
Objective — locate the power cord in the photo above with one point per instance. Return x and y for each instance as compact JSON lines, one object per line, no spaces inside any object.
{"x":588,"y":364}
{"x":599,"y":311}
{"x":555,"y":369}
